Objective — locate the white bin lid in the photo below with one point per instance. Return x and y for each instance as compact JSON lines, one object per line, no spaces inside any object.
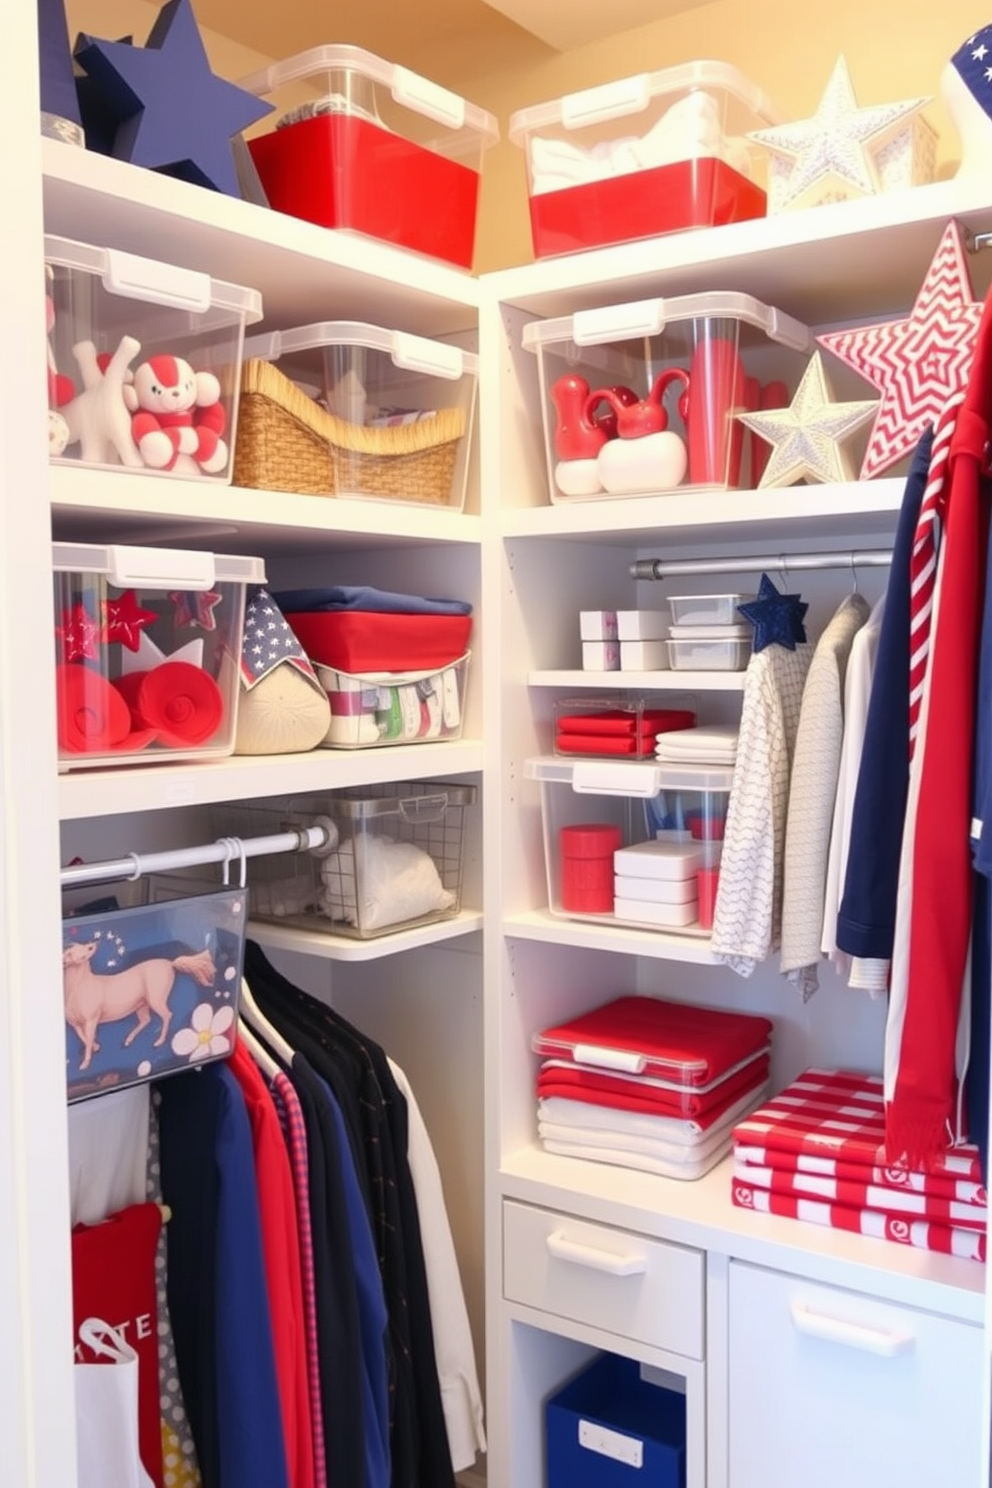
{"x":640,"y":318}
{"x":632,"y":95}
{"x":598,"y":777}
{"x":408,"y":88}
{"x":155,"y":283}
{"x":156,"y":568}
{"x":415,"y":353}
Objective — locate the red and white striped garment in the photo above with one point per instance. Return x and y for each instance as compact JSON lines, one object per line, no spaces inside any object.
{"x":899,"y":1202}
{"x":841,"y":1115}
{"x":918,"y":1233}
{"x":960,"y":1190}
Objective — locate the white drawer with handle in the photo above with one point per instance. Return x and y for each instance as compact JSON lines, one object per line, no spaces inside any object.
{"x":629,"y":1284}
{"x":830,"y":1387}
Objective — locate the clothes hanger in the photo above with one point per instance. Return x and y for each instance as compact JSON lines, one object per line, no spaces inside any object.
{"x":269,"y":1067}
{"x":251,"y":1016}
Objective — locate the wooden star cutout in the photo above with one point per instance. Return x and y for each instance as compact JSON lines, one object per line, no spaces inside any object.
{"x":916,"y":363}
{"x":833,"y":153}
{"x":172,"y":112}
{"x":808,"y":436}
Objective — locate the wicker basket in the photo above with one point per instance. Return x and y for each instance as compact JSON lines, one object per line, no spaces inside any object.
{"x":287,"y":442}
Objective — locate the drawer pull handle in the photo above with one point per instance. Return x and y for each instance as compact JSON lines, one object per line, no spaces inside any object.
{"x":564,"y":1249}
{"x":853,"y":1335}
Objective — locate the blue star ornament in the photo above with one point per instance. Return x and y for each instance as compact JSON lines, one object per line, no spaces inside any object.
{"x":777,"y":618}
{"x":173,"y":113}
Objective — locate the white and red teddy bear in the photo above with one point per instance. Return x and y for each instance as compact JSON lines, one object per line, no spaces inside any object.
{"x":177,"y":418}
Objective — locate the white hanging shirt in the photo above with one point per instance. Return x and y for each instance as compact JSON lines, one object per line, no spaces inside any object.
{"x":857,"y":692}
{"x":461,"y":1398}
{"x":812,"y":793}
{"x":747,"y":916}
{"x":108,"y":1153}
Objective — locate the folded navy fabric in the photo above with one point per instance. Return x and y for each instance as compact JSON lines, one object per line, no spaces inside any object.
{"x":363,"y":597}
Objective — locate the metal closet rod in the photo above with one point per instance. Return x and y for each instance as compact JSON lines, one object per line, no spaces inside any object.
{"x":224,"y":850}
{"x":664,"y":568}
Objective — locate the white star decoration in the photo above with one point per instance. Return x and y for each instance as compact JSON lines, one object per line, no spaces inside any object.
{"x":833,"y":153}
{"x":148,"y":655}
{"x":808,"y":436}
{"x":919,"y":362}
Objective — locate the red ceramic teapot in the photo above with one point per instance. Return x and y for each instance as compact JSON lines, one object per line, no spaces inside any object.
{"x":641,"y":416}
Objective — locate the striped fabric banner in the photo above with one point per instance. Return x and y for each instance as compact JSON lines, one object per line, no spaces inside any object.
{"x":923,"y":562}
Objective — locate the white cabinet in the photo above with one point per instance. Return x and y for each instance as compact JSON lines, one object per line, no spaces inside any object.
{"x":829,"y":1386}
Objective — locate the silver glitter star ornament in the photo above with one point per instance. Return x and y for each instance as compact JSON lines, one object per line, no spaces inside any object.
{"x":808,"y":436}
{"x":834,"y":154}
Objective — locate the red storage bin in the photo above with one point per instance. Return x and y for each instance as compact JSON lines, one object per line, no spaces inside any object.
{"x":371,"y":148}
{"x":361,"y":641}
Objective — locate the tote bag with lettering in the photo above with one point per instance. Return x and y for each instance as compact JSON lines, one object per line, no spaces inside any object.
{"x":107,"y":1411}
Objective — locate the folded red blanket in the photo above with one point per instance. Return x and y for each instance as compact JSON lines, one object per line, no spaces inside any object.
{"x":853,"y":1195}
{"x":647,"y":1035}
{"x":627,"y":1094}
{"x":626,"y":721}
{"x":363,"y":641}
{"x":961,"y":1190}
{"x":919,"y":1233}
{"x":841,"y":1115}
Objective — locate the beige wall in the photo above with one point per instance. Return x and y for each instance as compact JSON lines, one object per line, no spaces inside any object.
{"x":109,"y":19}
{"x":895,"y":49}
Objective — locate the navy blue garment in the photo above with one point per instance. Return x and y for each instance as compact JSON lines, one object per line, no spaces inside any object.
{"x":362,"y":597}
{"x":867,"y":917}
{"x":218,"y":1299}
{"x":977,"y":1086}
{"x":372,"y":1315}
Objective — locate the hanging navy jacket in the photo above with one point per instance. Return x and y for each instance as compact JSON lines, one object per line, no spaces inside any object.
{"x":867,"y":917}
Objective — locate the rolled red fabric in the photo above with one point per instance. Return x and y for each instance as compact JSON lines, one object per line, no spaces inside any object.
{"x":92,"y":715}
{"x":180,"y":701}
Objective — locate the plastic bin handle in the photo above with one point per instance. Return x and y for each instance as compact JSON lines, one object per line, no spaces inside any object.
{"x":159,"y":568}
{"x":422,"y":808}
{"x":424,"y":97}
{"x":417,"y":354}
{"x":618,"y":322}
{"x":626,"y":1060}
{"x":611,"y":101}
{"x":612,"y":1262}
{"x":887,"y":1344}
{"x":156,"y":283}
{"x":620,"y":778}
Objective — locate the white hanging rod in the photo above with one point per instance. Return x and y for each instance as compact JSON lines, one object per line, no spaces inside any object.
{"x":224,"y":850}
{"x":664,"y":568}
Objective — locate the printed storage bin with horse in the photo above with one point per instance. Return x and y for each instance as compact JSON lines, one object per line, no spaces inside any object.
{"x":150,"y":990}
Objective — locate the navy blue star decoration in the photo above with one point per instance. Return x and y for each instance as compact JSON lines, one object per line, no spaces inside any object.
{"x":161,"y":106}
{"x":777,"y":618}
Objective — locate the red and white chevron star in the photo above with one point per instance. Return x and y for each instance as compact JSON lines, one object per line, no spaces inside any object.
{"x":916,"y":363}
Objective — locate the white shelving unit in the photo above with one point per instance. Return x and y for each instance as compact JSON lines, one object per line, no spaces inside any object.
{"x":544,"y":562}
{"x":528,"y":566}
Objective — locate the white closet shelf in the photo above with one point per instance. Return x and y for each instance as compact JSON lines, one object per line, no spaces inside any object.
{"x":347,"y":948}
{"x":851,"y":511}
{"x":701,"y":1214}
{"x":667,"y":681}
{"x":121,"y":506}
{"x":835,"y":262}
{"x":95,"y":793}
{"x":541,"y":924}
{"x":295,"y":265}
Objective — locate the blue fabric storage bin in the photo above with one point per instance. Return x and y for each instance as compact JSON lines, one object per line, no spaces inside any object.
{"x":641,"y":1419}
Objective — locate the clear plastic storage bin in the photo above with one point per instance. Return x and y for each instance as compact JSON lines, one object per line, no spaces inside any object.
{"x":666,"y":829}
{"x":616,"y":726}
{"x":656,"y":153}
{"x":642,"y":398}
{"x":393,"y":861}
{"x":362,"y":144}
{"x":709,"y":654}
{"x":707,"y":609}
{"x":147,"y":652}
{"x":144,"y":362}
{"x":353,"y":410}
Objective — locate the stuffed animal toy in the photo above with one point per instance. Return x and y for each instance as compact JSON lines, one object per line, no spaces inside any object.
{"x":177,"y":416}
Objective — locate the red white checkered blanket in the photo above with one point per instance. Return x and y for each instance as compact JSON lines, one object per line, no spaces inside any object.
{"x":919,"y":1233}
{"x":898,"y":1202}
{"x":836,"y":1115}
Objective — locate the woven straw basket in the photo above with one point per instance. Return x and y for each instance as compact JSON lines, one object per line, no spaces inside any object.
{"x":287,"y":442}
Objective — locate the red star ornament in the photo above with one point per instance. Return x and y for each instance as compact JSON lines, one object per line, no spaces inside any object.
{"x":124,"y":619}
{"x":919,"y":362}
{"x":195,"y":607}
{"x":79,"y":634}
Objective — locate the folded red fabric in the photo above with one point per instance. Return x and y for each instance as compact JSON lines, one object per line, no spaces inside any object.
{"x":92,"y":714}
{"x":668,"y":1040}
{"x":181,"y":702}
{"x":626,"y":721}
{"x":362,"y":641}
{"x":626,"y":1094}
